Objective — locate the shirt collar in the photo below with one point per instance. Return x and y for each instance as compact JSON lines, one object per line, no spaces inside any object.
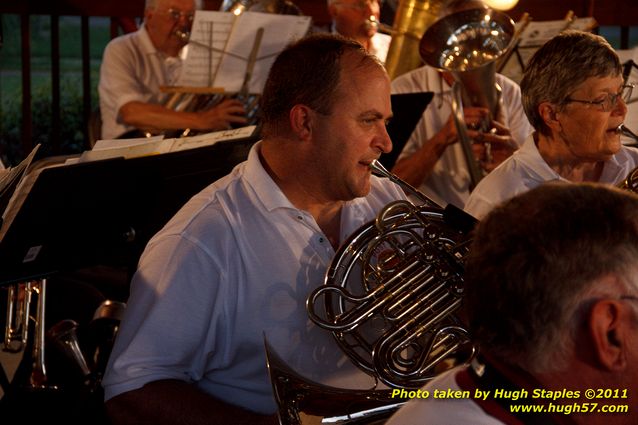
{"x":145,"y":40}
{"x":263,"y":185}
{"x":614,"y":169}
{"x":271,"y":196}
{"x":529,"y":155}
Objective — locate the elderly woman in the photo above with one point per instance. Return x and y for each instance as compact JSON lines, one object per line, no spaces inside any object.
{"x":574,"y":97}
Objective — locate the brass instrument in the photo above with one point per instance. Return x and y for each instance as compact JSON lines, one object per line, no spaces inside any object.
{"x":192,"y":99}
{"x":302,"y":402}
{"x":623,"y":130}
{"x":373,"y":22}
{"x":282,"y":7}
{"x":391,"y":291}
{"x":411,"y":20}
{"x":389,"y":297}
{"x":18,"y":322}
{"x":467,"y":44}
{"x":65,"y":338}
{"x":631,"y":181}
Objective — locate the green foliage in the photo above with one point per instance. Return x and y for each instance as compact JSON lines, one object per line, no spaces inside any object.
{"x":72,"y":137}
{"x":71,"y":121}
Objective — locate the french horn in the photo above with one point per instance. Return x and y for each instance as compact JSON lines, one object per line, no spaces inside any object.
{"x":390,"y":298}
{"x":631,"y":181}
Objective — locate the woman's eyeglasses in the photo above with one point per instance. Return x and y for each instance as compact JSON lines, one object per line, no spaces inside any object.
{"x":610,"y":101}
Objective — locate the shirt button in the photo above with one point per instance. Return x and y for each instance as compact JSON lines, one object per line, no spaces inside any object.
{"x":299,"y":217}
{"x":320,"y":239}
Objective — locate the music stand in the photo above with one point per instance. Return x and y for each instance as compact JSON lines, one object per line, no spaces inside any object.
{"x":407,"y":109}
{"x":104,"y":212}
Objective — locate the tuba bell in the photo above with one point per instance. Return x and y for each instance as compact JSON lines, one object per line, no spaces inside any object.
{"x":411,"y":20}
{"x":468,"y":44}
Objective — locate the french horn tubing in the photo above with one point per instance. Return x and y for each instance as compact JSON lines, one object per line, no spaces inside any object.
{"x":392,"y":291}
{"x":390,"y":298}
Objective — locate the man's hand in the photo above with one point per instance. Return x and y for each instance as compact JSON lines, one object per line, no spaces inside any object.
{"x":492,"y":147}
{"x":475,"y":118}
{"x":222,"y":115}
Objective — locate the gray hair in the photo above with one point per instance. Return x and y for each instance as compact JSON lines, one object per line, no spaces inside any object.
{"x":560,"y":66}
{"x":536,"y":265}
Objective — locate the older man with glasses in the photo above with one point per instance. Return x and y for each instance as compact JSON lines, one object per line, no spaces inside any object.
{"x":136,"y":65}
{"x":574,"y":96}
{"x":358,"y":20}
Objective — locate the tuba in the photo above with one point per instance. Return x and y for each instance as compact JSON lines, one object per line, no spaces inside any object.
{"x":468,"y":44}
{"x":281,"y":7}
{"x":411,"y":20}
{"x":390,"y":298}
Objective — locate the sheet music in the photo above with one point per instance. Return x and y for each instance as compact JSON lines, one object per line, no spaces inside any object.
{"x":127,"y":148}
{"x":145,"y":146}
{"x":538,"y":32}
{"x":535,"y":34}
{"x":21,"y":191}
{"x":279,"y":31}
{"x":209,"y":35}
{"x":225,"y":64}
{"x":208,"y":139}
{"x":630,"y":57}
{"x":11,"y":176}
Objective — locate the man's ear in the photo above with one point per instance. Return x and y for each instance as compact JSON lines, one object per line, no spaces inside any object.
{"x":608,"y":330}
{"x":301,"y":118}
{"x":548,"y":113}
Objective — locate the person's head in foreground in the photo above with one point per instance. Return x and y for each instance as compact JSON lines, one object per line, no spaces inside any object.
{"x":552,"y":290}
{"x":551,"y":301}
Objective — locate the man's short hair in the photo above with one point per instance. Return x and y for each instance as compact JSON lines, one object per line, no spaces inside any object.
{"x":536,"y":260}
{"x":306,"y":72}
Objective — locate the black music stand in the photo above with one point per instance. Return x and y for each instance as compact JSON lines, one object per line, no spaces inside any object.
{"x":104,"y":212}
{"x":407,"y":109}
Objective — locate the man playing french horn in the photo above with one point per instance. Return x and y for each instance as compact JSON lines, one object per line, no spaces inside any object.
{"x":237,"y":263}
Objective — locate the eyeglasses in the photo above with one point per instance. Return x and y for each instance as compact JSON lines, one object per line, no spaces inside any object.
{"x":359,"y":5}
{"x":610,"y":101}
{"x":177,"y":14}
